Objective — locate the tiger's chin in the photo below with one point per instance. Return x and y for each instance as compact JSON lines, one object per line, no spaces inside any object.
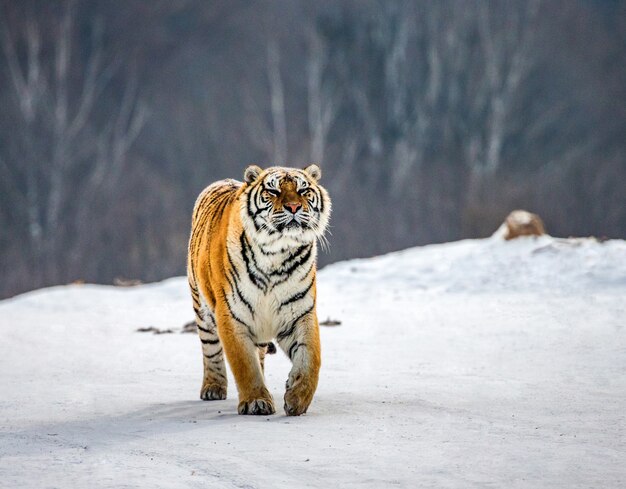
{"x":293,"y":227}
{"x":298,"y":232}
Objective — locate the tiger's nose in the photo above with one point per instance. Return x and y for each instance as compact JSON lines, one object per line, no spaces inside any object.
{"x":293,"y":206}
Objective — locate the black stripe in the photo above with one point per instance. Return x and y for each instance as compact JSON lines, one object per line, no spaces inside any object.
{"x":260,"y":273}
{"x":210,"y":199}
{"x":292,"y":352}
{"x":201,"y":209}
{"x":210,"y":331}
{"x":286,"y":276}
{"x":284,"y":334}
{"x":232,"y":264}
{"x":235,"y":287}
{"x":295,"y":255}
{"x":209,"y":342}
{"x":212,"y":319}
{"x":321,"y":199}
{"x":219,"y":191}
{"x":218,"y":195}
{"x":258,"y":202}
{"x":214,"y":354}
{"x":219,"y":374}
{"x":271,"y":232}
{"x":311,"y":265}
{"x":220,"y":208}
{"x":252,"y":214}
{"x":237,"y":318}
{"x":256,"y":194}
{"x":282,"y":251}
{"x":254,"y":277}
{"x":296,"y":263}
{"x":298,"y":296}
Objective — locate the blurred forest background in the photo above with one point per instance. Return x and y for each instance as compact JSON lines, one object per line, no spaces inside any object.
{"x":431,"y":121}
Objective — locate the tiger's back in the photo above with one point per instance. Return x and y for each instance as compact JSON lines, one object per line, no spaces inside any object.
{"x":207,"y":243}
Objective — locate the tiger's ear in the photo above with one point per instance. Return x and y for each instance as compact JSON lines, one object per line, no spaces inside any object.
{"x":314,"y":172}
{"x":251,"y":173}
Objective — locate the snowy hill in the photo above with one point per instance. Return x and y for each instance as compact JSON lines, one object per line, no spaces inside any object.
{"x":479,"y":363}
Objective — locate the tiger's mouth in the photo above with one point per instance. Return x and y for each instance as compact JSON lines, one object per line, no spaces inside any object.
{"x":292,"y":224}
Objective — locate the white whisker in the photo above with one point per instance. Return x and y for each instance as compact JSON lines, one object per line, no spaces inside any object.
{"x":324,"y":243}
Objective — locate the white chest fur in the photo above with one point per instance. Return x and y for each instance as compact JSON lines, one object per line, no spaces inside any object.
{"x":270,"y":289}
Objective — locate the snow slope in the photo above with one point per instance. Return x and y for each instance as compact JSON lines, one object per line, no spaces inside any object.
{"x":478,"y":363}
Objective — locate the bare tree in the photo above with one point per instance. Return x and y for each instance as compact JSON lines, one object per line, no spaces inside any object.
{"x":322,"y":97}
{"x":432,"y":120}
{"x":65,"y":157}
{"x":277,"y":103}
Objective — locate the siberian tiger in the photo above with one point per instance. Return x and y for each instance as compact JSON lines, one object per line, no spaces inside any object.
{"x":252,"y":270}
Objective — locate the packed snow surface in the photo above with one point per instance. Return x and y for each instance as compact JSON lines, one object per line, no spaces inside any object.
{"x":478,"y":363}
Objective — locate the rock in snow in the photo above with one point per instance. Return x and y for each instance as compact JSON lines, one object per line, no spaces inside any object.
{"x":480,"y":363}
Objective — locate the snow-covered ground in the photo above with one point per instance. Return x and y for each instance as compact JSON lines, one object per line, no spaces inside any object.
{"x":478,"y":363}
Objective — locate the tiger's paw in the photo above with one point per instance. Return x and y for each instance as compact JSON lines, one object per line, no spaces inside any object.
{"x":298,"y":396}
{"x":257,"y":406}
{"x":213,"y":392}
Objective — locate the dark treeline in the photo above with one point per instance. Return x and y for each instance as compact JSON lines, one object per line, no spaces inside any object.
{"x":431,"y":121}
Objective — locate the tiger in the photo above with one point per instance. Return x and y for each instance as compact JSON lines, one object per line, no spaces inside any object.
{"x":252,"y":273}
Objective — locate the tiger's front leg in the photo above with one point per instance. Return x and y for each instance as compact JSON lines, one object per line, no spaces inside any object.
{"x":301,"y":342}
{"x":243,"y":357}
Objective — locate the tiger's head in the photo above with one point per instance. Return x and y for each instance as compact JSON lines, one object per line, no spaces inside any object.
{"x":285,"y":205}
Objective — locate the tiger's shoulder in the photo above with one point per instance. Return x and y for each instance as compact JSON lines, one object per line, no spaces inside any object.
{"x":222,"y":192}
